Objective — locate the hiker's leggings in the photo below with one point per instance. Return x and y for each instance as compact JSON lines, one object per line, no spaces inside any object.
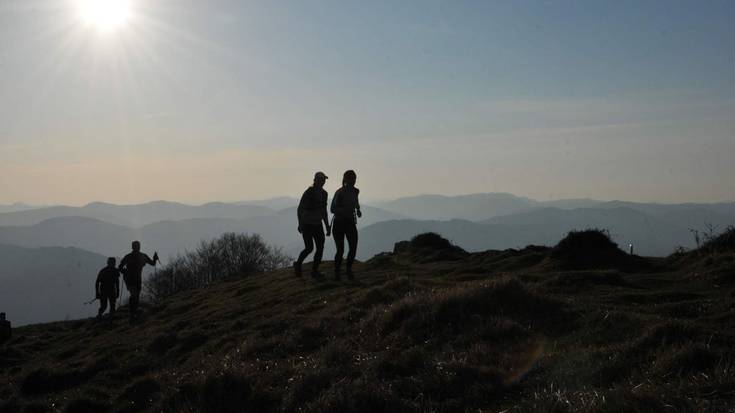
{"x":134,"y":286}
{"x":104,"y":299}
{"x":341,"y":231}
{"x":313,"y":235}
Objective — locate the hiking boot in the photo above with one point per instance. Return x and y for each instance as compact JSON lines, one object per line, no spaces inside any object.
{"x":317,"y":275}
{"x":350,"y":275}
{"x":297,"y":269}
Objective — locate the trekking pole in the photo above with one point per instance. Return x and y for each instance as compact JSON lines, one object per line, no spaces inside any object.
{"x":91,"y":301}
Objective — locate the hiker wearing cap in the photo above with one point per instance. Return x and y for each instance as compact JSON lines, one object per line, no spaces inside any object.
{"x":107,"y":287}
{"x":346,"y":209}
{"x":312,"y":211}
{"x":131,"y":267}
{"x":5,"y":329}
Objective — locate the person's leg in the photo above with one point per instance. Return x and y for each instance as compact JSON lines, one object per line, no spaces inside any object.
{"x":351,"y":234}
{"x":133,"y":302}
{"x":319,"y":244}
{"x":103,"y":306}
{"x":113,"y":302}
{"x":306,"y":234}
{"x":135,"y":296}
{"x":339,"y":242}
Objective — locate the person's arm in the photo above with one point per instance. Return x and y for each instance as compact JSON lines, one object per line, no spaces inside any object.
{"x":325,"y":216}
{"x":97,"y":285}
{"x":123,"y":264}
{"x":357,"y":203}
{"x":301,"y":208}
{"x":333,"y":205}
{"x":117,"y":287}
{"x":148,"y":259}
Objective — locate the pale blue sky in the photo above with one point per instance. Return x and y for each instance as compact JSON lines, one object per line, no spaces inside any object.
{"x":197,"y":101}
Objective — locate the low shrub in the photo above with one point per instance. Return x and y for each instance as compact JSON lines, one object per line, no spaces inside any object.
{"x":431,"y":240}
{"x":228,"y":256}
{"x":723,"y":242}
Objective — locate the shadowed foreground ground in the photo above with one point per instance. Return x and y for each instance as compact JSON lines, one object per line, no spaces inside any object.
{"x":426,"y":329}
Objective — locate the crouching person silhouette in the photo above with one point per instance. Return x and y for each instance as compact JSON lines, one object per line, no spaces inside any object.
{"x":131,"y":267}
{"x":312,"y":211}
{"x":107,"y":287}
{"x":346,"y":209}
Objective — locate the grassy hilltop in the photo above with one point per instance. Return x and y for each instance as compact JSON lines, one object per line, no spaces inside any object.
{"x":578,"y":327}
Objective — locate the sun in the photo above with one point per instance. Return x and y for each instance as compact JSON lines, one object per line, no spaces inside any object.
{"x":104,"y":15}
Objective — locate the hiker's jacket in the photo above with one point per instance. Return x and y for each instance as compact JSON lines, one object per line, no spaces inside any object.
{"x":344,"y":204}
{"x":133,"y":263}
{"x":108,"y":282}
{"x":312,"y":208}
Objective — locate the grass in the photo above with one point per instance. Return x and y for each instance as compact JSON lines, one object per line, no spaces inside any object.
{"x":491,"y":331}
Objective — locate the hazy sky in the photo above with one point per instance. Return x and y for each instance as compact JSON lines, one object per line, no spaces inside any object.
{"x":196,"y":101}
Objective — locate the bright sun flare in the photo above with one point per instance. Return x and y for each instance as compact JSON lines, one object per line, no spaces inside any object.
{"x":104,"y":15}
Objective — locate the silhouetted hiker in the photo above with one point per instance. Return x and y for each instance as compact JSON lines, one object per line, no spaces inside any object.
{"x":346,"y":209}
{"x":131,"y":267}
{"x":311,"y":212}
{"x":5,"y":330}
{"x":107,"y":287}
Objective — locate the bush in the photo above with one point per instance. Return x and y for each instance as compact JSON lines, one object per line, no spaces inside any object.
{"x":429,"y":247}
{"x":589,"y":240}
{"x":430,"y":240}
{"x":723,"y":242}
{"x":592,"y":249}
{"x":227,"y":256}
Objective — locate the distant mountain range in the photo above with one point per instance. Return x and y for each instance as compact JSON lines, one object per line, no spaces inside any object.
{"x":18,"y":206}
{"x":167,"y":237}
{"x":473,"y":207}
{"x":475,"y":222}
{"x":44,"y":280}
{"x":135,"y":215}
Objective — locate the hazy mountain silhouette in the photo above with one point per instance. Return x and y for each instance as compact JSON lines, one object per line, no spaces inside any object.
{"x":654,"y":229}
{"x":650,"y":235}
{"x":168,"y":237}
{"x":45,"y":284}
{"x":687,"y":215}
{"x":278,"y":203}
{"x":481,"y":207}
{"x":472,"y":207}
{"x":18,"y":206}
{"x":135,"y":215}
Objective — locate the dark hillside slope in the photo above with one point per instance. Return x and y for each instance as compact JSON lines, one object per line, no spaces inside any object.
{"x":491,"y":331}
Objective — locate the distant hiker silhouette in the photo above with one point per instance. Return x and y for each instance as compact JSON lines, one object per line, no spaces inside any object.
{"x":312,"y":211}
{"x":131,"y":267}
{"x":5,"y":329}
{"x":107,"y":287}
{"x":346,"y":209}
